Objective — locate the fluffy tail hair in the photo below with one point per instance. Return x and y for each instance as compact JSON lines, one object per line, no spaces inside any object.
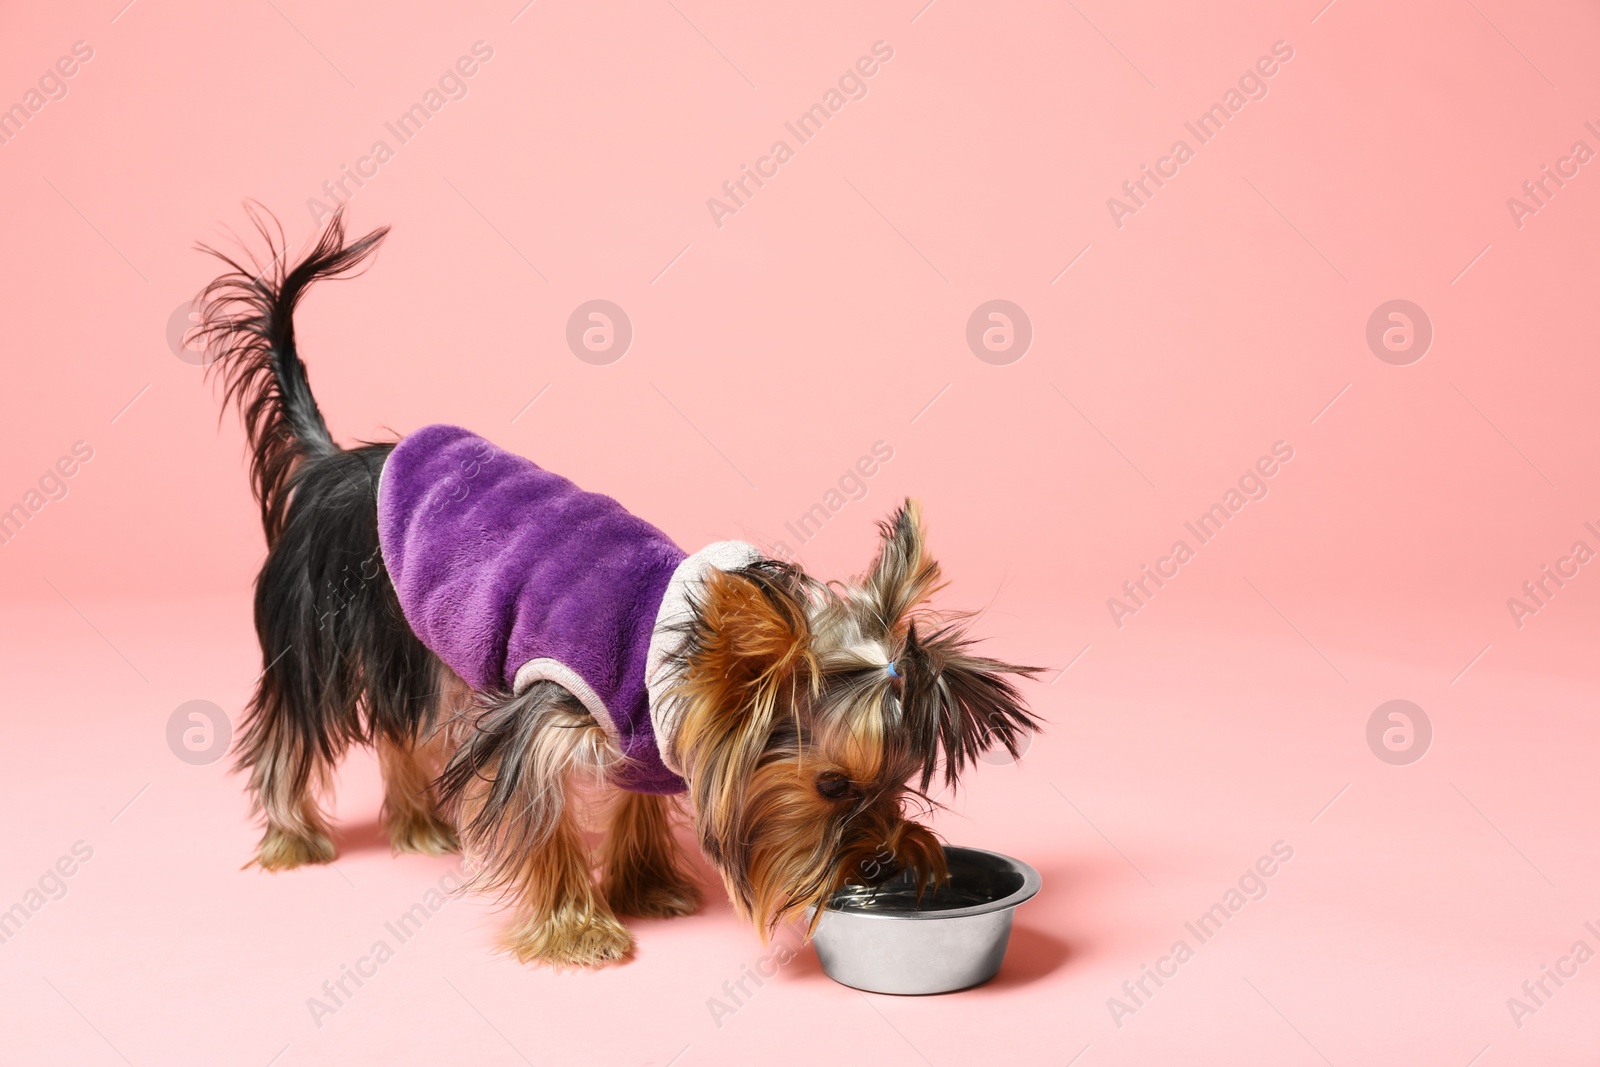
{"x":247,"y":325}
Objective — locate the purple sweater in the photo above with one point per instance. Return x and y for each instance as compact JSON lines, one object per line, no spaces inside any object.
{"x":512,"y":574}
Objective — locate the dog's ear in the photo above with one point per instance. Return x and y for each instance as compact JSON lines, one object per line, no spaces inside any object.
{"x":749,"y":635}
{"x":904,"y":575}
{"x":956,"y":705}
{"x":750,"y":632}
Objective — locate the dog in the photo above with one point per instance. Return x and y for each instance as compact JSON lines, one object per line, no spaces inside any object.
{"x":509,"y":644}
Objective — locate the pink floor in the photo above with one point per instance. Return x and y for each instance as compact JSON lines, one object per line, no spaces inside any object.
{"x":1435,"y":899}
{"x":1417,"y":901}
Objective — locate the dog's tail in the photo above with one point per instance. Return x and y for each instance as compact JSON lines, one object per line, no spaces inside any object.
{"x":247,"y":326}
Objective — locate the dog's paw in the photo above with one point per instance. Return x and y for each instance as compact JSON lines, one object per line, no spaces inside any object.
{"x":666,"y":899}
{"x":571,"y":940}
{"x":283,"y":850}
{"x":423,"y":833}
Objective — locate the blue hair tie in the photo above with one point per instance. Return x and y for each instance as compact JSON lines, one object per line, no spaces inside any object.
{"x":892,"y":672}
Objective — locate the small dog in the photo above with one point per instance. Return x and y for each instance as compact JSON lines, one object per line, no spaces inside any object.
{"x":503,"y":638}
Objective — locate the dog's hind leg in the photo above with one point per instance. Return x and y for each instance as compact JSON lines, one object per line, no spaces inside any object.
{"x":642,"y":866}
{"x":284,"y":782}
{"x":410,"y":807}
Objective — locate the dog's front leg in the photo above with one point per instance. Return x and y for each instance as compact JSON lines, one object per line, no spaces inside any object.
{"x":643,"y":869}
{"x":513,"y":790}
{"x":560,"y":917}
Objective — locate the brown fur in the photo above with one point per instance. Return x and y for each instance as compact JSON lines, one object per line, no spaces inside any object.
{"x":410,"y":808}
{"x":642,"y":872}
{"x":559,"y":918}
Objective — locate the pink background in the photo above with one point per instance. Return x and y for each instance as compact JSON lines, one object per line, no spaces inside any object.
{"x":830,"y":312}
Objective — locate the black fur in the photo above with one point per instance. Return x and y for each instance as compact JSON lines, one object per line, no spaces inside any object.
{"x":247,"y":324}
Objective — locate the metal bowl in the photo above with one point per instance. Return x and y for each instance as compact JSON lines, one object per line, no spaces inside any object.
{"x":881,"y":940}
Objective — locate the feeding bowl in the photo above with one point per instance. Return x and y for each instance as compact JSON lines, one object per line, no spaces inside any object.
{"x":882,"y":940}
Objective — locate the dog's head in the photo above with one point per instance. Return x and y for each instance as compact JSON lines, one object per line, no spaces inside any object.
{"x":813,"y":715}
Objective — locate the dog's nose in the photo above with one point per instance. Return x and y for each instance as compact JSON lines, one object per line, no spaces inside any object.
{"x":882,"y":870}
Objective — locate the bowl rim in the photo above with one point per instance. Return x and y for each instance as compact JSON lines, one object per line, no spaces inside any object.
{"x":1031,"y":882}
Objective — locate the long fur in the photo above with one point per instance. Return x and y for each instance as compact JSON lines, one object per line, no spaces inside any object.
{"x":506,"y":786}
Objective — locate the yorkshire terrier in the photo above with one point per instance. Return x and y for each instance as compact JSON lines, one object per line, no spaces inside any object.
{"x":510,"y":643}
